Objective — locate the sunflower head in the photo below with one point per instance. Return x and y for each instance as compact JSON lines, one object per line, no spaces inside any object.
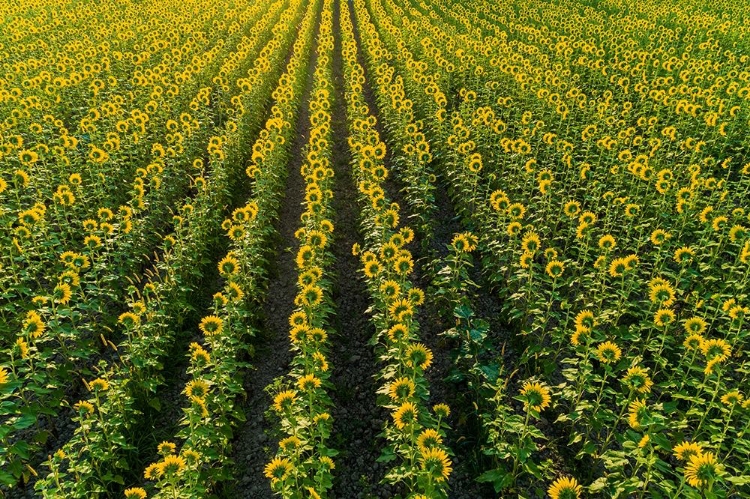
{"x":608,"y":352}
{"x":418,"y":355}
{"x":703,"y":469}
{"x":565,"y":488}
{"x":684,"y":450}
{"x":406,"y":415}
{"x":536,"y":396}
{"x":435,"y":461}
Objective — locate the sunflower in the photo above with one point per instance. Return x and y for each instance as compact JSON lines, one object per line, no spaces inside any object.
{"x":278,"y":469}
{"x":703,"y":469}
{"x":234,"y":292}
{"x":402,"y":388}
{"x":662,"y":294}
{"x":196,"y":388}
{"x":211,"y":325}
{"x":418,"y":355}
{"x":403,"y":265}
{"x":317,"y":334}
{"x":166,"y":448}
{"x":525,"y":260}
{"x":693,"y":342}
{"x":436,"y":462}
{"x":555,"y":269}
{"x":83,"y":407}
{"x":695,"y":326}
{"x":229,"y":266}
{"x":608,"y":352}
{"x":129,"y":320}
{"x":308,"y":382}
{"x":290,"y":444}
{"x":618,"y":267}
{"x":21,"y":348}
{"x":172,"y":465}
{"x":428,"y":439}
{"x":565,"y":488}
{"x":390,"y":289}
{"x":405,"y":415}
{"x":664,"y":317}
{"x":402,"y":310}
{"x":3,"y":376}
{"x":135,"y":493}
{"x":637,"y":379}
{"x":372,"y":269}
{"x":659,"y":237}
{"x":572,"y":208}
{"x":99,"y":385}
{"x":152,"y":472}
{"x":585,"y":320}
{"x":716,"y":349}
{"x":637,"y":412}
{"x":311,"y":296}
{"x":535,"y":396}
{"x":516,"y":211}
{"x":33,"y":324}
{"x":513,"y":229}
{"x":685,"y":450}
{"x":298,"y":318}
{"x":531,"y":242}
{"x":731,"y":398}
{"x":398,"y":333}
{"x":415,"y":296}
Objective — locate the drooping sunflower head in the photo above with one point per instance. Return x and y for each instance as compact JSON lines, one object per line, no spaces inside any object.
{"x":211,"y":325}
{"x":398,"y":333}
{"x":695,"y":325}
{"x":99,"y":385}
{"x":428,"y":439}
{"x":702,"y":469}
{"x":229,"y":266}
{"x":135,"y":493}
{"x":555,"y":269}
{"x":435,"y":461}
{"x":535,"y":396}
{"x":664,"y":317}
{"x":637,"y":414}
{"x":166,"y":448}
{"x":684,"y":450}
{"x":608,"y":352}
{"x":732,"y":397}
{"x":565,"y":488}
{"x":284,"y":400}
{"x":290,"y":444}
{"x":638,"y":380}
{"x":405,"y":415}
{"x":716,"y":349}
{"x":308,"y":383}
{"x":418,"y":355}
{"x":401,"y":389}
{"x":197,"y":388}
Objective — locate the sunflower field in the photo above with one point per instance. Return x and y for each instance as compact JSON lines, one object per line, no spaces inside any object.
{"x":408,"y":249}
